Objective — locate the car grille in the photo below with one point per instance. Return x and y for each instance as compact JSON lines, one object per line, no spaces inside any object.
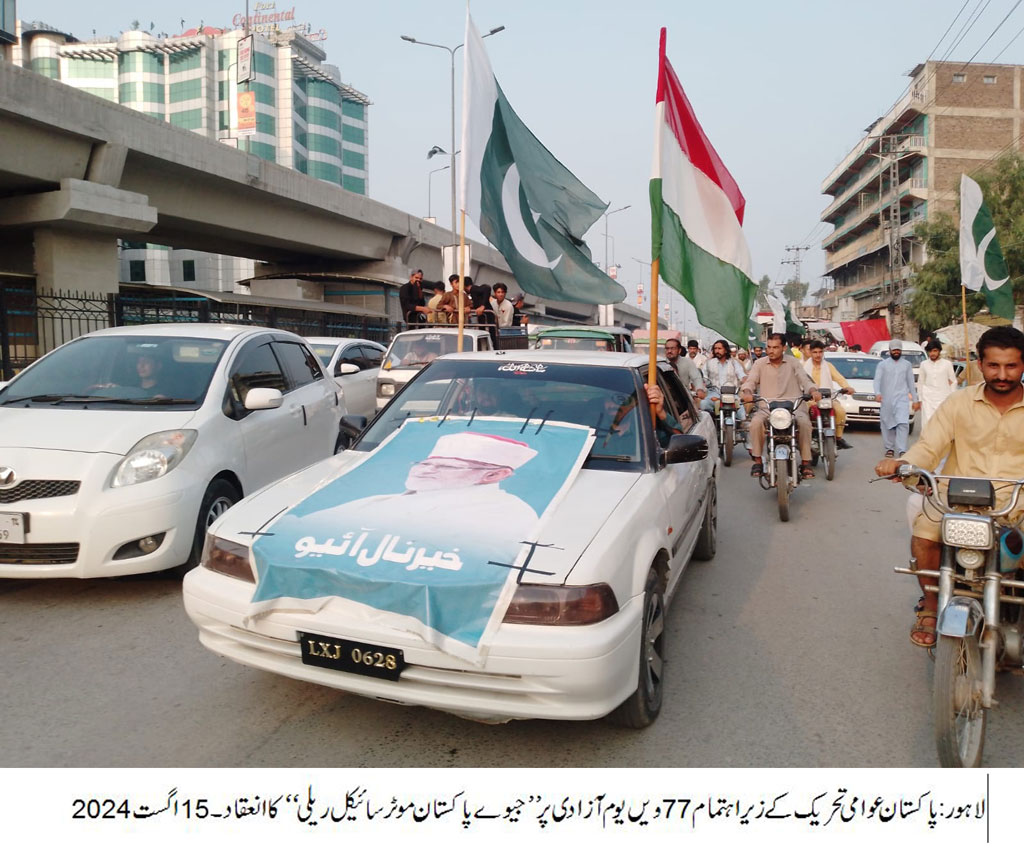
{"x":38,"y":553}
{"x":29,"y":489}
{"x":860,"y":395}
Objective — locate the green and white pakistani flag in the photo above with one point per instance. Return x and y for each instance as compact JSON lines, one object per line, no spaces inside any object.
{"x":697,"y":215}
{"x":526,"y":203}
{"x":982,"y":267}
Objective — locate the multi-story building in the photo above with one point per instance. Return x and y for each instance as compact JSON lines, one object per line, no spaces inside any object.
{"x":306,"y":117}
{"x":953,"y":118}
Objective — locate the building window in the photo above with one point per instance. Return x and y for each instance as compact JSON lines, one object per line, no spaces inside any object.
{"x":959,"y":77}
{"x":184,"y":61}
{"x":187,"y":90}
{"x":187,"y":119}
{"x":353,"y":159}
{"x":323,"y":117}
{"x":324,"y":91}
{"x":264,"y":93}
{"x":90,"y":68}
{"x":353,"y":134}
{"x":224,"y":120}
{"x":263,"y":64}
{"x":266,"y":124}
{"x":188,"y":271}
{"x":323,"y":171}
{"x":136,"y":271}
{"x":48,"y":66}
{"x":225,"y":58}
{"x":263,"y":151}
{"x":353,"y":109}
{"x":355,"y":185}
{"x":323,"y":144}
{"x":988,"y":78}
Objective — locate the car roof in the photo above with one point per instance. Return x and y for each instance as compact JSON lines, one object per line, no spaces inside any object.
{"x":217,"y":331}
{"x":442,"y":330}
{"x":871,"y":357}
{"x":555,"y":357}
{"x":904,"y":345}
{"x":578,"y":332}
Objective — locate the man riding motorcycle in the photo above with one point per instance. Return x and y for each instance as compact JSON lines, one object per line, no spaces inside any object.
{"x":721,"y":369}
{"x":978,"y":432}
{"x":824,"y":375}
{"x":779,"y":377}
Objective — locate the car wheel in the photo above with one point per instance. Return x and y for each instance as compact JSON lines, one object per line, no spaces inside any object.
{"x":220,"y":495}
{"x":643,"y":705}
{"x":708,"y":537}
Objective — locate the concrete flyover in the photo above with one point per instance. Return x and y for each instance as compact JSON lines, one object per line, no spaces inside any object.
{"x":77,"y":172}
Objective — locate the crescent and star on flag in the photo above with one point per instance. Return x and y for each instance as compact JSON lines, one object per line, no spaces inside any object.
{"x":511,"y":208}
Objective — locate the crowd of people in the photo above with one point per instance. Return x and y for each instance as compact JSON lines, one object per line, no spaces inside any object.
{"x":482,"y":305}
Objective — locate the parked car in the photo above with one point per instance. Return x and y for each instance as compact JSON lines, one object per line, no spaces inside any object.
{"x":859,"y":369}
{"x":609,"y":339}
{"x":410,"y":351}
{"x":354,"y":363}
{"x":119,"y":448}
{"x":582,"y":639}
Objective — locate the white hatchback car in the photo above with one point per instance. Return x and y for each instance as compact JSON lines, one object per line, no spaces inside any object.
{"x":584,"y":640}
{"x":354,"y":363}
{"x":119,"y":448}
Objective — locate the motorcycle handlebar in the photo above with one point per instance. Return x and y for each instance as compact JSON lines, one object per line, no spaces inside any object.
{"x":907,"y":472}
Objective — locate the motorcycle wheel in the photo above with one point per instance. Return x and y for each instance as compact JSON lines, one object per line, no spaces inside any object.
{"x":728,"y":440}
{"x":828,"y":454}
{"x":782,"y":488}
{"x":959,"y":716}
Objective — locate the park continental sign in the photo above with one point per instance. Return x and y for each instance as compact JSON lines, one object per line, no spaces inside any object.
{"x":266,"y":19}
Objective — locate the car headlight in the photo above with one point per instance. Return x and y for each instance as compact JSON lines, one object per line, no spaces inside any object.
{"x":154,"y":456}
{"x":385,"y":389}
{"x":555,"y":605}
{"x":228,"y":558}
{"x":966,"y":532}
{"x":780,"y":418}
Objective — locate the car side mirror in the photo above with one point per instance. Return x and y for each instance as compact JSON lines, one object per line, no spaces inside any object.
{"x":346,"y":368}
{"x":686,"y":448}
{"x":349,"y":429}
{"x":263,"y":398}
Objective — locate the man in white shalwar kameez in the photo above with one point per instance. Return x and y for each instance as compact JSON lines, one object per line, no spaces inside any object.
{"x":894,"y":389}
{"x":936,"y":380}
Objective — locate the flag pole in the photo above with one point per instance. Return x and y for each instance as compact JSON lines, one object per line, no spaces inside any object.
{"x":967,"y":338}
{"x":462,"y":280}
{"x":652,"y":360}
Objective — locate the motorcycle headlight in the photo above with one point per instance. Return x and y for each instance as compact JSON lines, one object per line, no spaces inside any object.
{"x":825,"y":403}
{"x":970,"y":558}
{"x":729,"y":399}
{"x":780,"y":419}
{"x":967,"y":532}
{"x":153,"y":457}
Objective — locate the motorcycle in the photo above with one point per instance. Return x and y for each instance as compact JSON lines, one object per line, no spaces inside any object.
{"x":980,"y":625}
{"x":729,"y":431}
{"x":781,"y":451}
{"x":823,"y":433}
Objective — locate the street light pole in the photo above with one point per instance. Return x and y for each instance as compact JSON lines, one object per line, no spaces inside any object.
{"x":430,"y":176}
{"x":451,"y":52}
{"x":608,"y":214}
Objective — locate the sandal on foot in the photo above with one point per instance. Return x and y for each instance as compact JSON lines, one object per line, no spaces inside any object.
{"x":806,"y":471}
{"x":890,"y":454}
{"x":756,"y":470}
{"x":919,"y":606}
{"x":919,"y":628}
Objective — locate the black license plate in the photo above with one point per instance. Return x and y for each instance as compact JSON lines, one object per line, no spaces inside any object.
{"x":868,"y":410}
{"x":366,"y":659}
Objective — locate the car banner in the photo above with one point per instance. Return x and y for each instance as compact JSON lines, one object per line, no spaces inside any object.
{"x":430,"y":530}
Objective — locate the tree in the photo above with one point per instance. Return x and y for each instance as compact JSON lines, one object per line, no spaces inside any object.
{"x":794,"y":291}
{"x":763,"y":289}
{"x":936,"y":299}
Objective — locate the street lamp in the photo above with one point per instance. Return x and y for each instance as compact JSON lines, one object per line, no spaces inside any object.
{"x":451,"y":51}
{"x":430,"y":175}
{"x":608,"y":214}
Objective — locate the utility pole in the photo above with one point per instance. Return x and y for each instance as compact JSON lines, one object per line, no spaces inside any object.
{"x":891,"y":149}
{"x":795,"y":260}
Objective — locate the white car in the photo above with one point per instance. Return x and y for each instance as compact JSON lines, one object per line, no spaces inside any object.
{"x":411,"y":350}
{"x":354,"y":363}
{"x":119,"y":448}
{"x":912,"y":352}
{"x":582,"y":639}
{"x":859,"y":369}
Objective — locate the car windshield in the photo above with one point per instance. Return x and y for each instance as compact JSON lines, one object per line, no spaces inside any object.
{"x":594,"y":396}
{"x":323,"y":352}
{"x":604,"y":345}
{"x":416,"y":349}
{"x":853,"y":368}
{"x":120,"y":371}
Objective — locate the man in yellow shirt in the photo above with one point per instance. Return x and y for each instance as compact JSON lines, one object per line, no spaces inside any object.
{"x":824,"y":375}
{"x":979,"y":431}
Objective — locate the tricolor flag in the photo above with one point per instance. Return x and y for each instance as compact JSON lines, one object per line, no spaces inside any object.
{"x":697,"y":215}
{"x":526,"y":203}
{"x":982,"y":267}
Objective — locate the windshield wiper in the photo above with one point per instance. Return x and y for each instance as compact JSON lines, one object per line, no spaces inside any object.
{"x":149,"y":401}
{"x":619,"y":458}
{"x":37,"y":398}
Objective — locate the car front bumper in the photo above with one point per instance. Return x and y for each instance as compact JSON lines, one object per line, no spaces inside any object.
{"x":567,"y":673}
{"x":77,"y":535}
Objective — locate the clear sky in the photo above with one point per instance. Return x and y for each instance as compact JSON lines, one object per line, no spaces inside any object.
{"x":783,"y":88}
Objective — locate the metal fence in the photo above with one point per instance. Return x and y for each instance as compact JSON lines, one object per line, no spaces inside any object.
{"x":32,"y":324}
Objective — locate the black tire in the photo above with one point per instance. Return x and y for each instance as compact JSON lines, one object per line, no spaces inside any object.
{"x":641,"y":708}
{"x":728,"y":440}
{"x":782,"y":488}
{"x":707,"y":539}
{"x":959,"y":717}
{"x":220,"y":495}
{"x":828,"y":454}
